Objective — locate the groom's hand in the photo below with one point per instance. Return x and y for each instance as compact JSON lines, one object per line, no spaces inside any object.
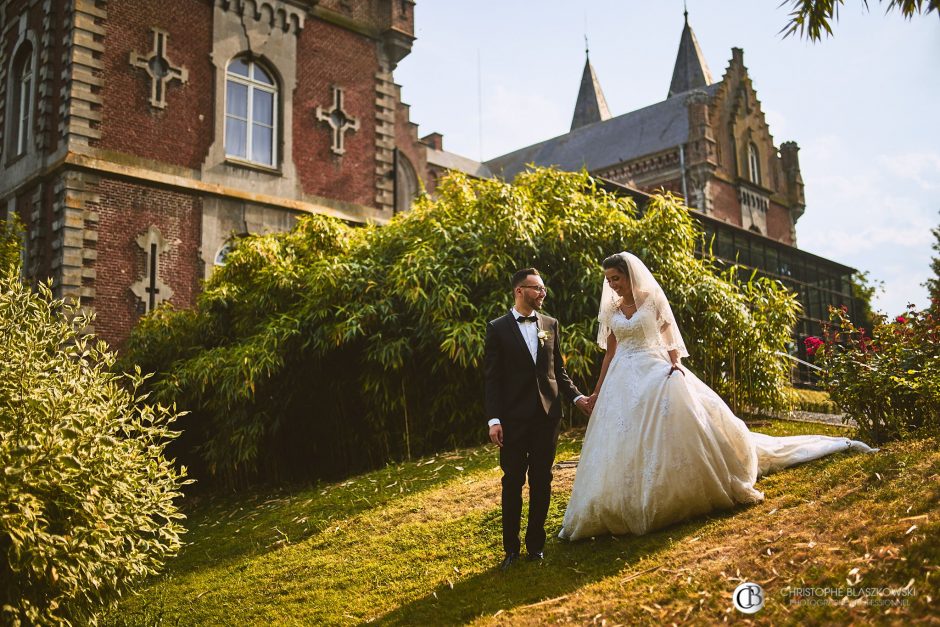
{"x":584,"y":405}
{"x":496,"y":435}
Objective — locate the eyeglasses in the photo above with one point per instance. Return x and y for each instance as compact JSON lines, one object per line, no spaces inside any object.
{"x":538,"y":288}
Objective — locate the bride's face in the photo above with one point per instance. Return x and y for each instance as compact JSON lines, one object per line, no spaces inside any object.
{"x":618,"y":281}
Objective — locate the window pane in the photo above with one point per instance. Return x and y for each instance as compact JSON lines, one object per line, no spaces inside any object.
{"x":238,"y":66}
{"x":261,"y":144}
{"x":236,"y":99}
{"x":236,"y":137}
{"x":261,"y":76}
{"x":263,"y":111}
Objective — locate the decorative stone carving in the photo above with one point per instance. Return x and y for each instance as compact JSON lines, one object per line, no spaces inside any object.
{"x":150,"y":289}
{"x":339,"y":121}
{"x":159,"y":67}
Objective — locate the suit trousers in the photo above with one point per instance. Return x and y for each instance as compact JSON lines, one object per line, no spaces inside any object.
{"x":532,"y":454}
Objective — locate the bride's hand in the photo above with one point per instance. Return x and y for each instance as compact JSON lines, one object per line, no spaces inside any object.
{"x":674,"y":368}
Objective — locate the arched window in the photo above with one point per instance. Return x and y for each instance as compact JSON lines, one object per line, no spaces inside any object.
{"x":223,"y":252}
{"x":22,"y":99}
{"x":753,"y":163}
{"x":250,"y":113}
{"x":406,"y":182}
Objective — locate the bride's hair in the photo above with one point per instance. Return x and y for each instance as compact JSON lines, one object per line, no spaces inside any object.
{"x":616,"y":262}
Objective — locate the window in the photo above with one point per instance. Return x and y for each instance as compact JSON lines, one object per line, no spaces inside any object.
{"x":22,"y":99}
{"x":753,"y":163}
{"x":250,"y":113}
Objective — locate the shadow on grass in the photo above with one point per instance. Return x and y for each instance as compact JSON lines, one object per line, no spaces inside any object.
{"x":567,"y":567}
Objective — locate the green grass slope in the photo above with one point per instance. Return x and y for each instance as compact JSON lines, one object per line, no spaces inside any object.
{"x":419,"y":542}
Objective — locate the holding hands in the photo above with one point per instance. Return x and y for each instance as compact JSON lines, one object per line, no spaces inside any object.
{"x":586,"y":404}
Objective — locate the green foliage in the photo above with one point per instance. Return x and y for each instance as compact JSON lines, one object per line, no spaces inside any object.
{"x":888,"y":381}
{"x":10,"y":246}
{"x":332,"y":349}
{"x":87,"y":496}
{"x":811,"y":400}
{"x":864,"y":289}
{"x":812,"y":18}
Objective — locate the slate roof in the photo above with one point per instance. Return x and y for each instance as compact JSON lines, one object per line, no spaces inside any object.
{"x":603,"y":144}
{"x":591,"y":105}
{"x":690,"y":71}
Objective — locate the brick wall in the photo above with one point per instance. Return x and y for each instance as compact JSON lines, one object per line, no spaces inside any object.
{"x":329,"y":55}
{"x":779,"y":224}
{"x":181,"y":133}
{"x":126,"y":210}
{"x":725,"y":202}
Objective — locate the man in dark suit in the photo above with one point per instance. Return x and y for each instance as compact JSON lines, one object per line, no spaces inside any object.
{"x":523,"y":375}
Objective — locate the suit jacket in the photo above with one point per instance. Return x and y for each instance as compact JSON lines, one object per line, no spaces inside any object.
{"x":516,"y":390}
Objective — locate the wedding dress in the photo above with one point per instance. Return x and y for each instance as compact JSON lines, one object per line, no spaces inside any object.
{"x":663,"y":449}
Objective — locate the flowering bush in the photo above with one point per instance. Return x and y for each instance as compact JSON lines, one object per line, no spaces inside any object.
{"x":888,"y":380}
{"x":812,"y":344}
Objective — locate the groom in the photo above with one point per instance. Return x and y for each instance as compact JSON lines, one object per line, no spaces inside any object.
{"x":523,"y":374}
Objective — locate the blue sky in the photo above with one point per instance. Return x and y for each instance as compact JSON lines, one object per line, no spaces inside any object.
{"x":862,"y":105}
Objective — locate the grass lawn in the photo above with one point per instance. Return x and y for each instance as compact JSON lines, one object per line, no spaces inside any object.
{"x":419,"y":542}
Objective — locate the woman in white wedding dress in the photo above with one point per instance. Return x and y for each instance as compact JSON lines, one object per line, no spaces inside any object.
{"x":661,"y":446}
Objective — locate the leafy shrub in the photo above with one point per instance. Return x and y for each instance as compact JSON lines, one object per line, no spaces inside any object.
{"x":888,"y":381}
{"x":10,"y":232}
{"x":87,"y":497}
{"x":331,"y":349}
{"x":811,"y":400}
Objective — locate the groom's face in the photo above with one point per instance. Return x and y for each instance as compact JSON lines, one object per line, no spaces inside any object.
{"x":532,"y":292}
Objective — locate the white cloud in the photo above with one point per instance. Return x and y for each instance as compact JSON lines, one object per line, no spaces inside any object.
{"x":922,"y":168}
{"x":874,"y":214}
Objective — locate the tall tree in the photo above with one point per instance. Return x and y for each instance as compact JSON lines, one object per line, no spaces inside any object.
{"x":812,"y":18}
{"x":933,"y":283}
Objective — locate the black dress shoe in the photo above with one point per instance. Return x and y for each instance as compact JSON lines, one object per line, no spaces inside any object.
{"x":510,"y":559}
{"x":538,"y":556}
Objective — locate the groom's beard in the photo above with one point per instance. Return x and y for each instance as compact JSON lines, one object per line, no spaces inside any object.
{"x":534,"y":303}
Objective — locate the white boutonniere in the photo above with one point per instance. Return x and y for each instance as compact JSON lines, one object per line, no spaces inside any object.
{"x":543,"y":336}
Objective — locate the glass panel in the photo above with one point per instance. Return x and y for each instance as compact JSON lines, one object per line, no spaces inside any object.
{"x":24,"y":113}
{"x":261,"y":76}
{"x":725,"y":246}
{"x":263,"y":111}
{"x":238,"y":66}
{"x":262,"y":144}
{"x":236,"y":137}
{"x":236,"y":99}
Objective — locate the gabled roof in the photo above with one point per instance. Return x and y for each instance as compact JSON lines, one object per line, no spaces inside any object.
{"x":591,"y":105}
{"x":603,"y":144}
{"x":691,"y":71}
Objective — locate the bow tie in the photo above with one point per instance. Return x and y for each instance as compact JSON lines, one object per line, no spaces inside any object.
{"x":526,"y":319}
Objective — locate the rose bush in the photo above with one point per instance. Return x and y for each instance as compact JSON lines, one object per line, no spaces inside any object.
{"x":888,"y":379}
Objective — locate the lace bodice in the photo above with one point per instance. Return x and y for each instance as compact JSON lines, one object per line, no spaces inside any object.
{"x":638,"y":332}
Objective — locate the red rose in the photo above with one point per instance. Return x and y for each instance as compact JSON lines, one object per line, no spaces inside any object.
{"x":900,"y":320}
{"x":812,"y":344}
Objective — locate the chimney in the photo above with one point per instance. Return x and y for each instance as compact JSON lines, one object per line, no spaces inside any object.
{"x":434,"y":140}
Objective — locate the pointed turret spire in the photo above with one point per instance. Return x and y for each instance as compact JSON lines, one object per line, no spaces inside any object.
{"x":591,"y":106}
{"x":691,"y":71}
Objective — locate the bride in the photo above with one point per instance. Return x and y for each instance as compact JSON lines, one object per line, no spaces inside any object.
{"x":661,"y":446}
